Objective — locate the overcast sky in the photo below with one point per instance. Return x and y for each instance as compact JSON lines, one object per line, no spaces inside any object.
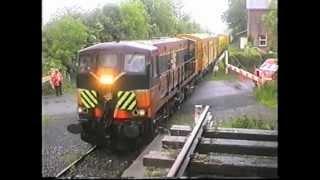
{"x":206,"y":12}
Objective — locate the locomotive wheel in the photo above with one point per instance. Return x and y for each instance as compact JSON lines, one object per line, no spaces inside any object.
{"x":150,"y":130}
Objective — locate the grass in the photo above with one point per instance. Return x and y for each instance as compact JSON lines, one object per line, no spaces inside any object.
{"x":249,"y":123}
{"x":267,"y":94}
{"x":68,"y":87}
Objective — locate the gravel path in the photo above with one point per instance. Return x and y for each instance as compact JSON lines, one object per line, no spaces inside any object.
{"x":60,"y":148}
{"x":103,"y":164}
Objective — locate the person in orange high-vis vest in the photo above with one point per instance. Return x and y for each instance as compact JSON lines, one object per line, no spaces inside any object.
{"x":56,"y":82}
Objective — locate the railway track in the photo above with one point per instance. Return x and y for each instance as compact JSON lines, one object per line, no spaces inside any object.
{"x":74,"y":163}
{"x":216,"y":152}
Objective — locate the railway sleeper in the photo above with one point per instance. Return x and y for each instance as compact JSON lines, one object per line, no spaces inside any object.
{"x":249,"y":147}
{"x":228,"y":133}
{"x":232,"y":165}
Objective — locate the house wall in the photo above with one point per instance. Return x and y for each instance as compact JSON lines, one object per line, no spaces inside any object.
{"x":256,"y":26}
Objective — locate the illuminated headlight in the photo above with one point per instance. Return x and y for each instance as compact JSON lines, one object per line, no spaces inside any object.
{"x":106,"y":79}
{"x":141,"y":112}
{"x":80,"y":110}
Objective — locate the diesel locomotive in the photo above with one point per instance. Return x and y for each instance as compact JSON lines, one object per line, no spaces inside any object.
{"x":126,"y":89}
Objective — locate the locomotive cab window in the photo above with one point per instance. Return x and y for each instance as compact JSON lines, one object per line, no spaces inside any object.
{"x":108,"y":60}
{"x":134,"y":63}
{"x":86,"y":63}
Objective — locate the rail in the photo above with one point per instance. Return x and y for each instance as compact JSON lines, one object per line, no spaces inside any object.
{"x":180,"y":164}
{"x":76,"y":162}
{"x":206,"y":151}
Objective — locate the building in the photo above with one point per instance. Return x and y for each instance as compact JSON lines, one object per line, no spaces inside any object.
{"x":256,"y":30}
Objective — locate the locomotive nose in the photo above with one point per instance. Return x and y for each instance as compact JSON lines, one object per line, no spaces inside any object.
{"x":74,"y":128}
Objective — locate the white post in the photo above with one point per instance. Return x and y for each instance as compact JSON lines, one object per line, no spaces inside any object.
{"x":226,"y":60}
{"x":197,"y":113}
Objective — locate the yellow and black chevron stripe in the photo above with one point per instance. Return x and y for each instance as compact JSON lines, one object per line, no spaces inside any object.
{"x":88,"y":98}
{"x":126,"y":100}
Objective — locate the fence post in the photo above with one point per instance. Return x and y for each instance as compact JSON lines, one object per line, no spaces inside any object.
{"x":226,"y":62}
{"x":197,"y":112}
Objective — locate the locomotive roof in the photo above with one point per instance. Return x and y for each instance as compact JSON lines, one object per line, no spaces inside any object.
{"x":198,"y":36}
{"x":161,"y":41}
{"x":121,"y":44}
{"x":142,"y":45}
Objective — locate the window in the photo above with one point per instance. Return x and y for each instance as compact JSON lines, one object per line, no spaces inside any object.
{"x":134,"y":63}
{"x":108,"y":60}
{"x":181,"y":56}
{"x":86,"y":62}
{"x":154,"y":67}
{"x":262,"y":40}
{"x":191,"y":51}
{"x":164,"y":63}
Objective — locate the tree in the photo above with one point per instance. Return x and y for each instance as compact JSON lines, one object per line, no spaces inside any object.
{"x":162,"y":17}
{"x":236,"y":16}
{"x":271,"y":22}
{"x":134,"y":20}
{"x":62,"y":38}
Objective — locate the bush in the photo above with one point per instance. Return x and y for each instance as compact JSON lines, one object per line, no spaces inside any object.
{"x":267,"y":94}
{"x":67,"y":87}
{"x":249,"y":123}
{"x":249,"y":57}
{"x":269,"y":55}
{"x":246,"y":59}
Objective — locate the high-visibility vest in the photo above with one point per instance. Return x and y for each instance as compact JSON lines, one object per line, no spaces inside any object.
{"x":56,"y":80}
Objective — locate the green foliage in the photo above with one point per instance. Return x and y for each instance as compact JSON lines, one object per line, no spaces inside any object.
{"x":249,"y":123}
{"x":246,"y":58}
{"x":62,"y":38}
{"x":267,"y":94}
{"x":72,"y":29}
{"x":68,"y":87}
{"x":271,"y":22}
{"x":134,"y":19}
{"x":236,"y":16}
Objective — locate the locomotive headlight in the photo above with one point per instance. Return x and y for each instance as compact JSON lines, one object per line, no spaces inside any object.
{"x":141,"y":112}
{"x":80,"y":110}
{"x":106,"y":79}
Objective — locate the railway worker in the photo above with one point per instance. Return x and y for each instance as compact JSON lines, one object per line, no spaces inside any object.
{"x":56,"y":81}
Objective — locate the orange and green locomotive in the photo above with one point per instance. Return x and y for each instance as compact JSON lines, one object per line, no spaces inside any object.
{"x":127,"y":88}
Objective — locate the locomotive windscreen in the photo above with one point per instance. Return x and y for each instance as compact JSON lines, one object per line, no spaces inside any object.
{"x":134,"y":65}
